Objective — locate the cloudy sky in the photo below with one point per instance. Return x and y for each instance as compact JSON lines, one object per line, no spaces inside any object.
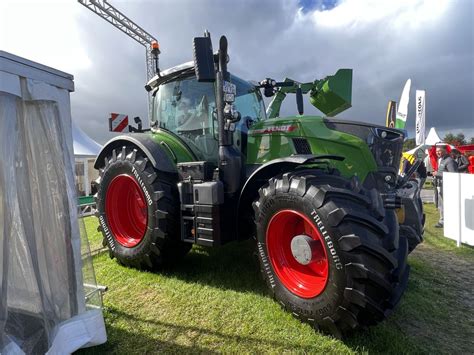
{"x":384,"y":42}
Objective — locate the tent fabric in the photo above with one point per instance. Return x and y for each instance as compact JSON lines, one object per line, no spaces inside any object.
{"x":46,"y":274}
{"x":433,"y":137}
{"x":84,"y":146}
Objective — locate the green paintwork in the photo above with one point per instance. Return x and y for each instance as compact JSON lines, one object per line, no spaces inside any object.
{"x":181,"y":152}
{"x":265,"y":142}
{"x":264,"y":147}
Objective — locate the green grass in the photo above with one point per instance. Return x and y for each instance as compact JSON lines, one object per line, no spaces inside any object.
{"x":215,"y":301}
{"x":93,"y":235}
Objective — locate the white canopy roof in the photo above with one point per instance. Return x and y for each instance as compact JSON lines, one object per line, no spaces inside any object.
{"x":419,"y":151}
{"x":433,"y":137}
{"x":84,"y":146}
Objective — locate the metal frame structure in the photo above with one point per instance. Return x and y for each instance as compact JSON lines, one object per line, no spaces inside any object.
{"x":127,"y":26}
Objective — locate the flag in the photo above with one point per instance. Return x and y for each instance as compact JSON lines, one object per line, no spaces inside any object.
{"x":420,"y":117}
{"x":403,"y":106}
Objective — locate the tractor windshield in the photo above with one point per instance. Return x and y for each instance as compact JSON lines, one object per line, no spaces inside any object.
{"x":186,"y":108}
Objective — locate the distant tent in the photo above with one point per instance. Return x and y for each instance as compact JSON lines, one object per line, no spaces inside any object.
{"x":84,"y":146}
{"x":433,"y":137}
{"x":85,"y":151}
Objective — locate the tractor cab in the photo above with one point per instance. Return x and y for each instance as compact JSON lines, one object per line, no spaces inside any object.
{"x":187,"y":108}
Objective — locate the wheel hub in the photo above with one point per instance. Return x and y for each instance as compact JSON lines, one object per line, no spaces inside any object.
{"x":305,"y":249}
{"x":297,"y":253}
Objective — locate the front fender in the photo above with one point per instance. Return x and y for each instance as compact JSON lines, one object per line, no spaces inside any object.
{"x":154,"y":152}
{"x":273,"y":168}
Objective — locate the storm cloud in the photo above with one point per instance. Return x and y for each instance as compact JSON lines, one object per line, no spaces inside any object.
{"x":384,"y":42}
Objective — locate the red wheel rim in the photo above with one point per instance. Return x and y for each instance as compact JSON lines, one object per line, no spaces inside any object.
{"x":126,"y":210}
{"x":306,"y":281}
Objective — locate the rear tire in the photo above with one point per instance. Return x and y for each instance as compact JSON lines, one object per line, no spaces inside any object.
{"x":355,"y":237}
{"x":138,"y":211}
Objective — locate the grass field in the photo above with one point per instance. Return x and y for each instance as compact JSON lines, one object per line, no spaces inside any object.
{"x":215,"y":301}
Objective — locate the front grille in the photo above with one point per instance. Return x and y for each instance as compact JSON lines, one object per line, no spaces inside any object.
{"x":386,"y":144}
{"x":301,"y":146}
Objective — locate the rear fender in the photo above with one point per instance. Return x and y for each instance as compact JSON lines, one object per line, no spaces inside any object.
{"x":154,"y":152}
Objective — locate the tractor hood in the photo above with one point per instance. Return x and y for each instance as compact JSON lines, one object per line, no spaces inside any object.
{"x":366,"y":148}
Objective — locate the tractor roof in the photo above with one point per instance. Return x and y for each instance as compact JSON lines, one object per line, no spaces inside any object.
{"x":171,"y":74}
{"x":176,"y":72}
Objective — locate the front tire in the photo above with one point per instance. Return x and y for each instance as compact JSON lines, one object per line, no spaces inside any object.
{"x":138,"y":211}
{"x":351,"y":270}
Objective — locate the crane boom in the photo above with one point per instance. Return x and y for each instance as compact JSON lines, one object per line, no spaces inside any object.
{"x":127,"y":26}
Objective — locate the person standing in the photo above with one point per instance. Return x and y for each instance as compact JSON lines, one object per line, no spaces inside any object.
{"x":445,"y":164}
{"x":461,"y":160}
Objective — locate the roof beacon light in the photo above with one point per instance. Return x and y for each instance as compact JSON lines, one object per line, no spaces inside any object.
{"x":155,"y":50}
{"x":155,"y":46}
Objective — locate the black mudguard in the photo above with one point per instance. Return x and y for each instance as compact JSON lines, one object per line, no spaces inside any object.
{"x":265,"y":171}
{"x":154,"y":152}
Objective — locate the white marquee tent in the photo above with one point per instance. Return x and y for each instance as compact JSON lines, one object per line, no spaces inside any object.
{"x":85,"y":151}
{"x":419,"y":151}
{"x":432,"y":138}
{"x":84,"y":146}
{"x":49,"y":302}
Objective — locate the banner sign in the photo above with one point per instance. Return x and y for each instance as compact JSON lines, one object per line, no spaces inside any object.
{"x":391,"y":113}
{"x":420,"y":117}
{"x":118,"y":122}
{"x":403,"y":106}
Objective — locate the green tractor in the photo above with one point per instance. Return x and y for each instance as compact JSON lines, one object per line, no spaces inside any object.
{"x":332,"y":221}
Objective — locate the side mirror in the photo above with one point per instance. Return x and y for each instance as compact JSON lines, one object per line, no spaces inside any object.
{"x":138,"y":121}
{"x":203,"y":59}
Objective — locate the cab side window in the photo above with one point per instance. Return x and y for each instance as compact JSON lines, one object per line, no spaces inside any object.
{"x":186,"y":107}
